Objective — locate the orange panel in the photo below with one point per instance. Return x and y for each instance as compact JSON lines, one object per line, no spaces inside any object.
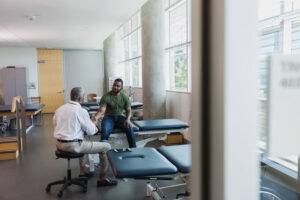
{"x":51,"y":78}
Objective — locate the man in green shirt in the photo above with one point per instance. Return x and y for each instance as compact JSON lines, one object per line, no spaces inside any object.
{"x":113,"y":106}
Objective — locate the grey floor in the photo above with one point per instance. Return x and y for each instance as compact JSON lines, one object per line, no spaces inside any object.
{"x":27,"y":177}
{"x":270,"y":186}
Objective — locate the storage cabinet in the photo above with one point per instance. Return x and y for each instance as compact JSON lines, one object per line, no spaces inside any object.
{"x":13,"y":83}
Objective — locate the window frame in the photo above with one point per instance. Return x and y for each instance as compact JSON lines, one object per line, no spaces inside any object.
{"x":187,"y":44}
{"x":287,"y":165}
{"x":123,"y":62}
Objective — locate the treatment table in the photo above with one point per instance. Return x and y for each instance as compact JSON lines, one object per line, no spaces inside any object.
{"x":150,"y":130}
{"x":160,"y":125}
{"x":165,"y":163}
{"x":93,"y":107}
{"x":31,"y":110}
{"x":145,"y":131}
{"x":88,"y":104}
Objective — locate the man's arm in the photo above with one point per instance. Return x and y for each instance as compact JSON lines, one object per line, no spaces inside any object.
{"x":99,"y":114}
{"x":101,"y":111}
{"x":128,"y":116}
{"x":127,"y":111}
{"x":87,"y":125}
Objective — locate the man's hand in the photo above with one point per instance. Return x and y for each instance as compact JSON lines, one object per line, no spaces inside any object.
{"x":99,"y":114}
{"x":94,"y":120}
{"x":128,"y":123}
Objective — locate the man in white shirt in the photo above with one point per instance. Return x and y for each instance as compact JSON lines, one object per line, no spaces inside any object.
{"x":71,"y":122}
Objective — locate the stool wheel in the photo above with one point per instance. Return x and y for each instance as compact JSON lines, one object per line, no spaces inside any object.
{"x":48,"y":188}
{"x":59,"y":194}
{"x":84,"y":190}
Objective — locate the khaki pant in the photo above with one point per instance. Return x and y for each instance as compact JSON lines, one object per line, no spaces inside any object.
{"x":88,"y":147}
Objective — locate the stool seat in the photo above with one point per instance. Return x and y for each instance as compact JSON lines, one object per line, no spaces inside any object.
{"x":66,"y":154}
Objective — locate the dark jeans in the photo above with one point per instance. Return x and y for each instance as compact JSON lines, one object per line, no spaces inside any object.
{"x":117,"y":121}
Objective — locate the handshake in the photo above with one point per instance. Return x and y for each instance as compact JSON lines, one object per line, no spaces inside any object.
{"x":98,"y":121}
{"x":94,"y":120}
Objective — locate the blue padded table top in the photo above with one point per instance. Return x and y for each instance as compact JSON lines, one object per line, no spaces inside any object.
{"x":28,"y":107}
{"x":160,"y":124}
{"x":136,"y":105}
{"x":139,"y":162}
{"x":33,"y":106}
{"x":116,"y":130}
{"x":93,"y":108}
{"x":179,"y":155}
{"x":88,"y":104}
{"x":91,"y":104}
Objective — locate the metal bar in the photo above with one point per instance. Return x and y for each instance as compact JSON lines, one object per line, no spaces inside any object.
{"x":18,"y":128}
{"x":153,"y":178}
{"x":130,"y":59}
{"x":179,"y":45}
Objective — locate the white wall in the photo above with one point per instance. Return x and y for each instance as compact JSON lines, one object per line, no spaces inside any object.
{"x":83,"y":68}
{"x":138,"y":94}
{"x":178,"y":105}
{"x":232,"y":99}
{"x":240,"y":98}
{"x":22,"y":57}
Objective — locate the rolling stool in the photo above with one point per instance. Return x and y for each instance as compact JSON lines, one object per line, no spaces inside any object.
{"x":67,"y":181}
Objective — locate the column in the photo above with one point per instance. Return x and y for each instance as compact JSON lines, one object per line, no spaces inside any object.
{"x":154,"y":68}
{"x":110,"y":59}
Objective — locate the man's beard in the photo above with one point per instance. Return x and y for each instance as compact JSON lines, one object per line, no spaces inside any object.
{"x":116,"y":91}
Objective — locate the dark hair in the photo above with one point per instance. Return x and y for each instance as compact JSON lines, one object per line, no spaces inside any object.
{"x":119,"y":80}
{"x":76,"y":93}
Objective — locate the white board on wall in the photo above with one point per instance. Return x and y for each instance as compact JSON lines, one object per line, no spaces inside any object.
{"x":284,"y":105}
{"x":83,"y":68}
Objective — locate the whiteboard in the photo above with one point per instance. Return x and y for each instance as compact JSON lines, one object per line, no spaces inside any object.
{"x":284,"y":105}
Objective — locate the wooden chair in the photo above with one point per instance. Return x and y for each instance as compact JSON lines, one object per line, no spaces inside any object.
{"x":14,"y":103}
{"x":91,"y":97}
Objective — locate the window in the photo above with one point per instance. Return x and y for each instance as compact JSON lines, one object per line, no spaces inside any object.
{"x":279,"y":33}
{"x":270,"y":42}
{"x":178,"y":44}
{"x":296,"y":38}
{"x":130,"y":54}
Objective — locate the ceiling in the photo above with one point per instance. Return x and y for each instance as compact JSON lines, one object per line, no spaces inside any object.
{"x":67,"y":24}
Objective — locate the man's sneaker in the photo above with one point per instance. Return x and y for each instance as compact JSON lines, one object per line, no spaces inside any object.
{"x":87,"y":175}
{"x":106,"y":182}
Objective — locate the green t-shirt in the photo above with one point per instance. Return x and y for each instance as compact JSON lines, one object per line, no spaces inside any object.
{"x":115,"y":105}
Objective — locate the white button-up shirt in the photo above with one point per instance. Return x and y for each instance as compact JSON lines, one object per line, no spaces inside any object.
{"x":71,"y":121}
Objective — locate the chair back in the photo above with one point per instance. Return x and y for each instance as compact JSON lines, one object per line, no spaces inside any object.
{"x":14,"y":103}
{"x":91,"y":97}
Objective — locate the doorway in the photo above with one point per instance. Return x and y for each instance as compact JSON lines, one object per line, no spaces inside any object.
{"x":50,"y":71}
